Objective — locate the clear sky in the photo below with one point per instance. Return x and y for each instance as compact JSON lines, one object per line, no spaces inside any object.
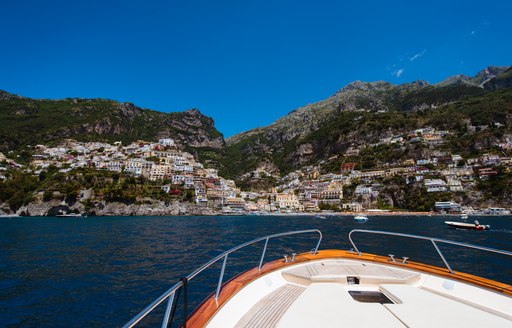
{"x":244,"y":63}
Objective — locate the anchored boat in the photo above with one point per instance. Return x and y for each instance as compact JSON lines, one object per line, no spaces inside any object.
{"x":360,"y":218}
{"x":69,"y":215}
{"x":337,"y":288}
{"x":467,"y":226}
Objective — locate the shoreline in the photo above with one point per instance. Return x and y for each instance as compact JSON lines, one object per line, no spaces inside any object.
{"x":328,"y":214}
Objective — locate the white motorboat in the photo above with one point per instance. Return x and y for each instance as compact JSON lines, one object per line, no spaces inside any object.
{"x":69,"y":215}
{"x":337,"y":288}
{"x":468,"y":226}
{"x":360,"y":218}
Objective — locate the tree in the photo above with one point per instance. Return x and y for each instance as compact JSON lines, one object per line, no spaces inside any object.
{"x":47,"y":195}
{"x":153,"y":159}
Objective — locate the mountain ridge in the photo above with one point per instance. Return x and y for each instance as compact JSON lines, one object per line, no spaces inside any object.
{"x":29,"y":121}
{"x":361,"y":113}
{"x":358,"y":86}
{"x":295,"y":138}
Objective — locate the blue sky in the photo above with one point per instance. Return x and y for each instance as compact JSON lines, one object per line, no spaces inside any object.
{"x":244,"y":63}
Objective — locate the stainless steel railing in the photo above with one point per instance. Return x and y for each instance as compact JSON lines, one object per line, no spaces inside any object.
{"x":171,"y":292}
{"x":433,"y":240}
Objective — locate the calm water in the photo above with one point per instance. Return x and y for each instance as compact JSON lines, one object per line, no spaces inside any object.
{"x":101,"y":271}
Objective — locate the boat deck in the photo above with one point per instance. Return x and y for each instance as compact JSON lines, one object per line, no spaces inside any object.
{"x":319,"y":294}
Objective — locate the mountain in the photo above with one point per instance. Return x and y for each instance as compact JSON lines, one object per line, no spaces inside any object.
{"x":500,"y":81}
{"x":358,"y":114}
{"x":479,"y":80}
{"x":27,"y":121}
{"x":365,"y":112}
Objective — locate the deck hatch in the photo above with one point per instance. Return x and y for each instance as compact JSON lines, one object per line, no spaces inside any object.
{"x":353,"y":280}
{"x":369,"y":297}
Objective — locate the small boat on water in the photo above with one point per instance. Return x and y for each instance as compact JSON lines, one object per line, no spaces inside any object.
{"x":468,"y":226}
{"x":320,"y":217}
{"x":360,"y":218}
{"x":69,"y":215}
{"x":338,"y":288}
{"x":464,"y":216}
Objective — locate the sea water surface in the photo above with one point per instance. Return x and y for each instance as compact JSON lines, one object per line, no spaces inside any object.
{"x":101,"y":271}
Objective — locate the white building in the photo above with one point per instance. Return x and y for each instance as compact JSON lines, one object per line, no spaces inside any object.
{"x":288,"y":201}
{"x":166,"y":142}
{"x":435,"y":185}
{"x":115,"y":166}
{"x":362,"y":190}
{"x":456,"y":158}
{"x":426,"y":161}
{"x":455,"y":185}
{"x":177,"y":179}
{"x":353,"y":207}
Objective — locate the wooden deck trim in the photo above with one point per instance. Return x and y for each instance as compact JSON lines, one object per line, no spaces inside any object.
{"x":207,"y":309}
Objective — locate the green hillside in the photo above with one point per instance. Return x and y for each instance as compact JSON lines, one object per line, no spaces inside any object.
{"x":454,"y":108}
{"x":28,"y":121}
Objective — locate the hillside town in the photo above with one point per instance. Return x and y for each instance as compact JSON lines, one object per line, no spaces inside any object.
{"x":304,"y":190}
{"x":441,"y":173}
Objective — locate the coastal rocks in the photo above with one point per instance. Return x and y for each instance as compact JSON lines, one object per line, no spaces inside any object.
{"x":152,"y":209}
{"x":148,"y":208}
{"x":156,"y":208}
{"x":51,"y":208}
{"x":4,"y":209}
{"x":37,"y":208}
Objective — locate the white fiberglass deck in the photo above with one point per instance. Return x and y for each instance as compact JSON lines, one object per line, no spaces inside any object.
{"x":316,"y":294}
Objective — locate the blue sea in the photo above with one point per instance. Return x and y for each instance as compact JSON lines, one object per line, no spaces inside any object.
{"x":101,"y":271}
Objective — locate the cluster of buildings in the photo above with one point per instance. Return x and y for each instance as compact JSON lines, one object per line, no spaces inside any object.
{"x":304,"y":190}
{"x":154,"y":161}
{"x":437,"y":173}
{"x":164,"y":163}
{"x":161,"y":162}
{"x":428,"y":135}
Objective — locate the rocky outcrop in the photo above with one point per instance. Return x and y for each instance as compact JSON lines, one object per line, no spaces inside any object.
{"x":364,"y":86}
{"x":6,"y":95}
{"x":129,"y":110}
{"x":500,"y":81}
{"x":146,"y":208}
{"x":39,"y":208}
{"x":152,"y":209}
{"x":479,"y":80}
